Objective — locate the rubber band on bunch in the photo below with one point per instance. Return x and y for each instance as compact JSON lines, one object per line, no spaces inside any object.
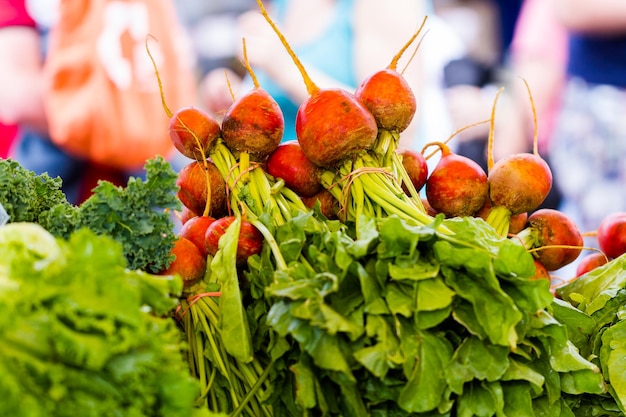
{"x":191,"y":300}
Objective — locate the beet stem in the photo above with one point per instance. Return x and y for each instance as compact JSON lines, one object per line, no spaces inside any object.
{"x":394,"y":62}
{"x":168,"y":112}
{"x":535,"y":125}
{"x":310,"y":85}
{"x":246,"y":64}
{"x":281,"y":265}
{"x":500,"y":219}
{"x":492,"y":128}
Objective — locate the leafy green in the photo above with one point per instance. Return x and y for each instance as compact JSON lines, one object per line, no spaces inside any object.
{"x":25,"y":195}
{"x":136,"y":215}
{"x":405,"y":320}
{"x":82,"y":335}
{"x":598,"y":316}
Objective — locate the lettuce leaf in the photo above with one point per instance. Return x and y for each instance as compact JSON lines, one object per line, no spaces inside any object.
{"x":83,"y":335}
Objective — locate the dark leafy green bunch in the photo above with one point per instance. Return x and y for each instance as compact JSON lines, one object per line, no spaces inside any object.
{"x":25,"y":195}
{"x":408,"y":321}
{"x":594,"y":307}
{"x":135,"y":215}
{"x":81,"y":335}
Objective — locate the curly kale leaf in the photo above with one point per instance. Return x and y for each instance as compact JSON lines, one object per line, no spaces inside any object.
{"x":137,"y":215}
{"x":25,"y":196}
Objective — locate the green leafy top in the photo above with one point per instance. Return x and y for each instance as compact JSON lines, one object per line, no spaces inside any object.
{"x":405,"y":320}
{"x":136,"y":215}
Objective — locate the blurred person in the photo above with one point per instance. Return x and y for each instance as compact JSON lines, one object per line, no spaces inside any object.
{"x":24,"y":29}
{"x":587,"y":149}
{"x":341,"y":43}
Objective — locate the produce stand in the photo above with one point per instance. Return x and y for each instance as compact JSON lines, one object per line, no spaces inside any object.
{"x":281,"y":304}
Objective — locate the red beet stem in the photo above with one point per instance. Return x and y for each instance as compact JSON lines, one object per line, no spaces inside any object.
{"x":394,"y":62}
{"x":311,"y":87}
{"x":246,"y":63}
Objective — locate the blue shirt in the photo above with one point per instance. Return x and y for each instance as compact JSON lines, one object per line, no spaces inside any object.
{"x":598,"y":60}
{"x":332,"y":53}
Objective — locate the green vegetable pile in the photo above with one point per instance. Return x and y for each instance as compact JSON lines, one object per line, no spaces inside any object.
{"x":136,"y":215}
{"x":81,"y":335}
{"x":406,"y":320}
{"x":594,"y":307}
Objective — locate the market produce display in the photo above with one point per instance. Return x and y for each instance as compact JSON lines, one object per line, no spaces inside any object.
{"x":308,"y":278}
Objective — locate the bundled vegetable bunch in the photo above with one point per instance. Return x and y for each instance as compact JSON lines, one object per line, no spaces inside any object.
{"x":386,"y":310}
{"x":508,"y":196}
{"x":231,"y":207}
{"x":82,"y":335}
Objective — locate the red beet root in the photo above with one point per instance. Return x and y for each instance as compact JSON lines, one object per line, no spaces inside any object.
{"x":329,"y":206}
{"x":250,"y":240}
{"x":557,"y":238}
{"x":416,"y":167}
{"x":331,"y":124}
{"x":519,"y":182}
{"x":590,"y":262}
{"x":193,"y":132}
{"x":189,"y":262}
{"x":195,"y":230}
{"x":194,"y":181}
{"x":457,"y":186}
{"x":289,"y":163}
{"x":186,"y":214}
{"x":253,"y":124}
{"x":540,"y":271}
{"x":429,"y":209}
{"x":389,"y":98}
{"x":612,"y":234}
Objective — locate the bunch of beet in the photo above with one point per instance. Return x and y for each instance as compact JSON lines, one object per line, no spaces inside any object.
{"x":227,"y":179}
{"x":206,"y":195}
{"x":346,"y":156}
{"x":508,"y":196}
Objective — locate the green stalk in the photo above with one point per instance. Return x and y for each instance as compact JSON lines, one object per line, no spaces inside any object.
{"x":330,"y":181}
{"x":385,"y":143}
{"x":271,"y":241}
{"x":283,"y":207}
{"x":235,"y":370}
{"x":529,"y":238}
{"x":244,"y":164}
{"x":187,"y":326}
{"x":500,"y":219}
{"x":404,"y":177}
{"x":199,"y":351}
{"x":293,"y":201}
{"x":240,"y":384}
{"x":218,"y":354}
{"x":253,"y":390}
{"x":379,"y":190}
